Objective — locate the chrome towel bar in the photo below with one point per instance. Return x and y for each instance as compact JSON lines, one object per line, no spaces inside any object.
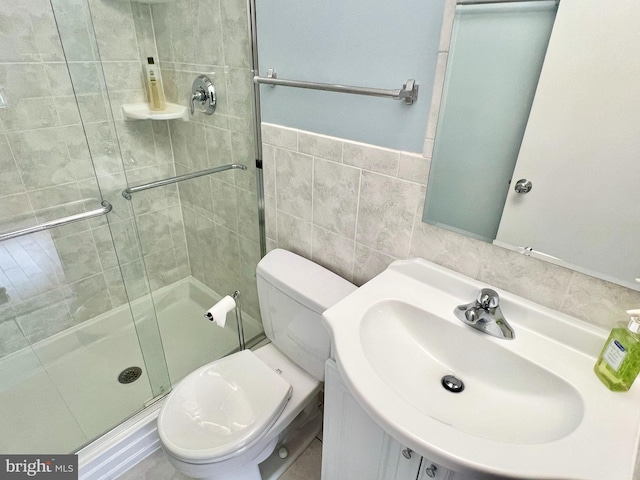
{"x":106,"y":208}
{"x":408,"y":92}
{"x":126,"y":193}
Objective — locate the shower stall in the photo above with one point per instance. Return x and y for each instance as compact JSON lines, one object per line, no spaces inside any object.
{"x":102,"y":295}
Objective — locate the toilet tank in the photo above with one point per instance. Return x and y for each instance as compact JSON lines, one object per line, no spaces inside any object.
{"x":293,"y":293}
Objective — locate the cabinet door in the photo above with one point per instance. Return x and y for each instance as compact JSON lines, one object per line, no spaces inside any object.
{"x":354,"y":447}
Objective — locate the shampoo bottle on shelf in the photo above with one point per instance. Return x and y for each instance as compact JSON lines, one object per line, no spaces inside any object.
{"x":154,"y":85}
{"x":619,"y":362}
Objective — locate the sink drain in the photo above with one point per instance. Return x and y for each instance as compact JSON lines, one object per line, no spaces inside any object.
{"x":452,"y":383}
{"x":130,"y":374}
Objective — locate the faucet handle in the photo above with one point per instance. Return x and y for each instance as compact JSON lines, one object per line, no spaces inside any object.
{"x":488,"y":298}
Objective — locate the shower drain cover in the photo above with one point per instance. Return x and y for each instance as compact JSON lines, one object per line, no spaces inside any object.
{"x":130,"y":374}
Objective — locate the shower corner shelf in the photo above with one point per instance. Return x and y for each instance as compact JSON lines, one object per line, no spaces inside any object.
{"x":141,"y":111}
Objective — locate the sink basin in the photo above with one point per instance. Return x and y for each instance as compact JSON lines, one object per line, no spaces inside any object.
{"x":506,"y":397}
{"x":531,"y":408}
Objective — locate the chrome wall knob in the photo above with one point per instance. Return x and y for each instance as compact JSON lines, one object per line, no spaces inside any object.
{"x":203,"y":94}
{"x":523,"y":186}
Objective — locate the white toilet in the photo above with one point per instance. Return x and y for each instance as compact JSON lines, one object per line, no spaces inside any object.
{"x":228,"y":416}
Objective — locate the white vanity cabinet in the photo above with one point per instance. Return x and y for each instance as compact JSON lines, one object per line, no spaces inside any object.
{"x":355,"y":448}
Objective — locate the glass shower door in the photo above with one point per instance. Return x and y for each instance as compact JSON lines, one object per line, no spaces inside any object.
{"x":199,"y":238}
{"x":69,"y":349}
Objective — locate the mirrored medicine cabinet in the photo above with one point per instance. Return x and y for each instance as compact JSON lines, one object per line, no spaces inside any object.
{"x":537,"y":147}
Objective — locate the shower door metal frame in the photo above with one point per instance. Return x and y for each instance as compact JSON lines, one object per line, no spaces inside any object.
{"x":257,"y":123}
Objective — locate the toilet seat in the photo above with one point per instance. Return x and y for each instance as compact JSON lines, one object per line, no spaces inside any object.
{"x":222,"y":409}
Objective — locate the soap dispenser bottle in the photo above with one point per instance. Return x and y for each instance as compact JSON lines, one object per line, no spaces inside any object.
{"x":154,"y":85}
{"x":619,"y":362}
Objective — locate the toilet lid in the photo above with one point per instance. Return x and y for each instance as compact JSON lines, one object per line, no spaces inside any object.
{"x":221,"y":408}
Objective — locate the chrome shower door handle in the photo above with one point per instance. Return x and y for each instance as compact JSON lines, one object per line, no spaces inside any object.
{"x":203,"y":93}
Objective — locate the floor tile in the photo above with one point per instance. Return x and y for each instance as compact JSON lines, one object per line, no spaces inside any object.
{"x":155,"y":467}
{"x":308,"y":465}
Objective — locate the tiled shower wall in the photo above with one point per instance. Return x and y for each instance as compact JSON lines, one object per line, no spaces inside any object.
{"x":355,"y":208}
{"x":56,"y":279}
{"x":206,"y":227}
{"x":220,"y":211}
{"x":125,"y":37}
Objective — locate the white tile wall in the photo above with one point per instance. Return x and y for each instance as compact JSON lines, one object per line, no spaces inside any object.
{"x":340,"y":211}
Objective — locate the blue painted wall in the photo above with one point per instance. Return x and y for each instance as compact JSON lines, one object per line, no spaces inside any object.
{"x":373,"y":43}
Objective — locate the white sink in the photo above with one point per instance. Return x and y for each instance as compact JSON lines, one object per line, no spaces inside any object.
{"x":531,"y":407}
{"x":542,"y":407}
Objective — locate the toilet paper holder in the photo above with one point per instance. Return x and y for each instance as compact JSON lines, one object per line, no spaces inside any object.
{"x":236,"y":296}
{"x":219,"y":311}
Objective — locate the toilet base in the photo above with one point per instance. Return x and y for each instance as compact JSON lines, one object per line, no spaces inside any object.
{"x":242,"y":467}
{"x":296,"y":443}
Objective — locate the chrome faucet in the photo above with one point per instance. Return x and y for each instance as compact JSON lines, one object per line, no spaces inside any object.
{"x":484,"y":314}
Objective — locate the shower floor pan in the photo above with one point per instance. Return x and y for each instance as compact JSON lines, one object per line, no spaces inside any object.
{"x":64,"y":391}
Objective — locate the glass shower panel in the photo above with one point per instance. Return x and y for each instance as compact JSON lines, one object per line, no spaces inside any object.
{"x":67,"y":329}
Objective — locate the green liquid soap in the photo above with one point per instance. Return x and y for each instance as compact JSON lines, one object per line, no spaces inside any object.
{"x":619,"y":362}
